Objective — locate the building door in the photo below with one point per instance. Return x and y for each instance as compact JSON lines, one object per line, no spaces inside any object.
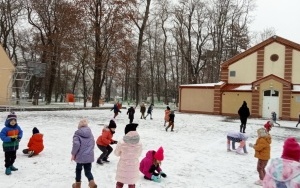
{"x":270,"y":103}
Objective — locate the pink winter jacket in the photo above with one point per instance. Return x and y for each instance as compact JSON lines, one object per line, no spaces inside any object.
{"x":146,"y":164}
{"x":282,"y":173}
{"x":129,"y":150}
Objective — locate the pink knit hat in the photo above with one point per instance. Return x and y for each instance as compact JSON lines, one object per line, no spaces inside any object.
{"x":291,"y":149}
{"x":159,"y":155}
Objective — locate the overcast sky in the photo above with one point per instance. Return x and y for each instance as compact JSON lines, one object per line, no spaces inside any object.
{"x":282,"y":15}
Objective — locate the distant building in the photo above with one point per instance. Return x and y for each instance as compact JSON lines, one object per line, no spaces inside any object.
{"x":6,"y":74}
{"x":266,"y":76}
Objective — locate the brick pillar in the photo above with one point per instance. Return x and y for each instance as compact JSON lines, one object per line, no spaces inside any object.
{"x":217,"y":100}
{"x":260,"y":63}
{"x":286,"y":102}
{"x":288,"y":64}
{"x":255,"y":103}
{"x":224,"y":74}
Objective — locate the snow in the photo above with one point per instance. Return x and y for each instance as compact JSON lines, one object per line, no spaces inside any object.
{"x":244,"y":87}
{"x":195,"y":154}
{"x":203,"y":85}
{"x":296,"y":88}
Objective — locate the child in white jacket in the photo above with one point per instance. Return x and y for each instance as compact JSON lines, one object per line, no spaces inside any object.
{"x":129,"y":150}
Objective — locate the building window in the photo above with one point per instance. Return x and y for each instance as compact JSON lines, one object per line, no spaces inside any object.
{"x":274,"y":57}
{"x":272,"y":93}
{"x":232,"y":73}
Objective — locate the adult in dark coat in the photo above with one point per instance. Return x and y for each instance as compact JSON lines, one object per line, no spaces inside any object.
{"x":130,"y":114}
{"x":244,"y":113}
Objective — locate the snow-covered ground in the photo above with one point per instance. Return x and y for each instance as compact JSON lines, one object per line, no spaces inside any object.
{"x":195,"y":154}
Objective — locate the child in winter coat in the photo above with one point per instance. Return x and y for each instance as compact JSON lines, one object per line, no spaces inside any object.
{"x":104,"y":141}
{"x":11,"y":135}
{"x":268,"y":126}
{"x":274,"y":118}
{"x":116,"y":109}
{"x":262,"y":152}
{"x":284,"y":171}
{"x":237,"y":137}
{"x":167,"y":115}
{"x":150,"y":165}
{"x":129,"y":151}
{"x":83,"y":153}
{"x":143,"y":110}
{"x":35,"y":144}
{"x":171,"y":121}
{"x":130,"y":114}
{"x":149,"y":111}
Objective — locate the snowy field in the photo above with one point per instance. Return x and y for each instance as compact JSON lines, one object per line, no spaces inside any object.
{"x":195,"y":153}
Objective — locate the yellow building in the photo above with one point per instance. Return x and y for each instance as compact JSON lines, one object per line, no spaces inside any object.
{"x":6,"y":74}
{"x":266,"y":76}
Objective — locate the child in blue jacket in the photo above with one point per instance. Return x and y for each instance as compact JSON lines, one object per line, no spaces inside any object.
{"x":11,"y":135}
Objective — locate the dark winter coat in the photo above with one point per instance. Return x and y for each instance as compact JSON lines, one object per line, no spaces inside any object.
{"x":83,"y":145}
{"x":130,"y":113}
{"x":172,"y":116}
{"x":143,"y":109}
{"x":244,"y":112}
{"x":150,"y":108}
{"x":116,"y":108}
{"x":9,"y":132}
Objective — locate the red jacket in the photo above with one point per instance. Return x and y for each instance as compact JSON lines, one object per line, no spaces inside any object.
{"x":106,"y":138}
{"x":36,"y":143}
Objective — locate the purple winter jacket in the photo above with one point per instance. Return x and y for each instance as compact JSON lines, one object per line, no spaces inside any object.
{"x":83,"y":145}
{"x":146,"y":164}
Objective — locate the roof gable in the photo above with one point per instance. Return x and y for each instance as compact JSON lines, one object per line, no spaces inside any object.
{"x":269,"y":77}
{"x":263,"y":44}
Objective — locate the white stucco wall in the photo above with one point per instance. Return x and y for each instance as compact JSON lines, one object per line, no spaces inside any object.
{"x":245,"y":70}
{"x":277,"y":67}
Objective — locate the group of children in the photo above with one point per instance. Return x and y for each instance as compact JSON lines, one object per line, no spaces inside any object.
{"x":128,"y":149}
{"x":11,"y":135}
{"x":282,"y":172}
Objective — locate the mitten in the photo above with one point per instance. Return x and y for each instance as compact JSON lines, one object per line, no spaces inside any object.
{"x":155,"y":179}
{"x":251,"y":145}
{"x":13,"y":139}
{"x":114,"y":142}
{"x":163,"y":174}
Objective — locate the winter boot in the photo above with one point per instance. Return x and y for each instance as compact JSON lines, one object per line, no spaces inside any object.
{"x":233,"y":145}
{"x":245,"y":149}
{"x":8,"y":171}
{"x":25,"y":151}
{"x":239,"y":151}
{"x":228,"y":147}
{"x":131,"y":186}
{"x":119,"y":185}
{"x":12,"y":168}
{"x":241,"y":127}
{"x":92,"y":184}
{"x":105,"y":160}
{"x":76,"y":185}
{"x":31,"y":153}
{"x":167,"y":127}
{"x":99,"y":161}
{"x":258,"y":182}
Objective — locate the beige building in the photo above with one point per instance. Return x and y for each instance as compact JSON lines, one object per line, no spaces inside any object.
{"x":6,"y":74}
{"x":266,"y":76}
